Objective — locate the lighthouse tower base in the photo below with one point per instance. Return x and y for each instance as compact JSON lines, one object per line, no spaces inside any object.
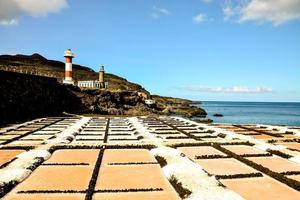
{"x":71,"y":82}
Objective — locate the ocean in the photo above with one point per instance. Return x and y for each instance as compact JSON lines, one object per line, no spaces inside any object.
{"x":253,"y":112}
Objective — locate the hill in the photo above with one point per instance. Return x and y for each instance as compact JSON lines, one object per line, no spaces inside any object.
{"x":33,"y":80}
{"x":39,"y":65}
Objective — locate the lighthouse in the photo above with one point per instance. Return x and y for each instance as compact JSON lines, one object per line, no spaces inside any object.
{"x":95,"y":84}
{"x":68,"y":71}
{"x":101,"y":76}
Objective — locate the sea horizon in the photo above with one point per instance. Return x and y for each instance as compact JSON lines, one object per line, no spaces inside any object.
{"x":237,"y":112}
{"x":246,"y":101}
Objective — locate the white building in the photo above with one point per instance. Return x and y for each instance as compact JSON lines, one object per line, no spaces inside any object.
{"x":89,"y":84}
{"x":98,"y":84}
{"x":149,"y":101}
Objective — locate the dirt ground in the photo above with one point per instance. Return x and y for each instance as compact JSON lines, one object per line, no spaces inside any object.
{"x":261,"y":188}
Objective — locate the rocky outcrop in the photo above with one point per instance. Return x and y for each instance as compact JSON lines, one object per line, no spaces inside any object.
{"x":27,"y":96}
{"x":178,"y":106}
{"x":111,"y":103}
{"x":218,"y":115}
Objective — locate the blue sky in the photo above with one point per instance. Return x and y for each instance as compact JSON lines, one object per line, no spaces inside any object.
{"x":198,"y":49}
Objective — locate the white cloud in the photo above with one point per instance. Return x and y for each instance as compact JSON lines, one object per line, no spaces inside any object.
{"x":228,"y":12}
{"x":6,"y":21}
{"x":11,"y":10}
{"x":234,"y":89}
{"x":164,"y":11}
{"x":199,"y":18}
{"x":158,"y":12}
{"x":233,"y":8}
{"x":275,"y":11}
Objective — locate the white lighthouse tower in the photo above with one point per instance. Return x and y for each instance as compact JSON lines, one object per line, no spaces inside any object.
{"x":69,"y":71}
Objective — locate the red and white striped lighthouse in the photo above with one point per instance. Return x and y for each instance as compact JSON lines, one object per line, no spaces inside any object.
{"x":69,"y":72}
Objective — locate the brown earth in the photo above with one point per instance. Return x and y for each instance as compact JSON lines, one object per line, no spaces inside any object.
{"x":261,"y":188}
{"x":225,"y":166}
{"x":8,"y":155}
{"x":160,"y":195}
{"x":57,"y":178}
{"x":243,"y":149}
{"x":127,"y":156}
{"x":88,"y":156}
{"x":192,"y":152}
{"x":45,"y":196}
{"x":122,"y":177}
{"x":276,"y":164}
